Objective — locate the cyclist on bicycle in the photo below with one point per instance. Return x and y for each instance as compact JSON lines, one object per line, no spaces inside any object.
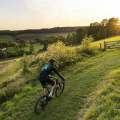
{"x":45,"y":76}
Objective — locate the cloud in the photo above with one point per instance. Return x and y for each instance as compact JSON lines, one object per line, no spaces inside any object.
{"x":56,"y":8}
{"x":72,"y":10}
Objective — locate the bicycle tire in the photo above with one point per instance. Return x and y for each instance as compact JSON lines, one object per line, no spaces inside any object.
{"x":41,"y":104}
{"x":59,"y":89}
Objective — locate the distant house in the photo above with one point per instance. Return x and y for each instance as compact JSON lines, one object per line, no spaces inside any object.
{"x":33,"y":41}
{"x":2,"y":49}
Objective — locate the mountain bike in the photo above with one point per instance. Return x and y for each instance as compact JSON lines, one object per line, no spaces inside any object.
{"x":43,"y":100}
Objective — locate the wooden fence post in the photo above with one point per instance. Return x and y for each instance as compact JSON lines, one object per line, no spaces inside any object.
{"x":104,"y":45}
{"x":100,"y":45}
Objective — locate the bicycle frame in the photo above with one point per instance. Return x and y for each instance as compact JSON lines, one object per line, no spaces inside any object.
{"x":48,"y":91}
{"x":43,"y":100}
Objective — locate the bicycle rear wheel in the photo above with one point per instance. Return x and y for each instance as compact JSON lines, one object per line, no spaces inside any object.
{"x":59,"y":88}
{"x":41,"y":104}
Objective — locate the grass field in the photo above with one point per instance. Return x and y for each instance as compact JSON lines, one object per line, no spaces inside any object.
{"x":82,"y":79}
{"x":6,"y":38}
{"x":97,"y":43}
{"x":53,"y":34}
{"x":37,"y":47}
{"x":8,"y":69}
{"x":91,"y":92}
{"x":46,"y":34}
{"x":26,"y":35}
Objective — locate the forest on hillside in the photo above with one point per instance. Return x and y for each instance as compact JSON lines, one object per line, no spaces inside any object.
{"x":106,"y":28}
{"x":37,"y":31}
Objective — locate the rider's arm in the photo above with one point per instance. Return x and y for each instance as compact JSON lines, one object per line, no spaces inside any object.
{"x":55,"y":70}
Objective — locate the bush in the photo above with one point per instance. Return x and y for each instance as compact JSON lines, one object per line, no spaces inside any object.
{"x":25,"y":65}
{"x":86,"y":46}
{"x":12,"y":89}
{"x":3,"y":96}
{"x":63,"y":55}
{"x":34,"y":62}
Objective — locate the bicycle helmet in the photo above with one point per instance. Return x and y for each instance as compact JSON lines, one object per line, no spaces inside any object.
{"x":51,"y":60}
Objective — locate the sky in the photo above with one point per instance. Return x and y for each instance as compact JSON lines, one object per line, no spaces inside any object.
{"x":37,"y":14}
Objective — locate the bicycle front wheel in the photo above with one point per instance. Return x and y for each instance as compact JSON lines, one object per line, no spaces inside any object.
{"x":59,"y":88}
{"x":41,"y":104}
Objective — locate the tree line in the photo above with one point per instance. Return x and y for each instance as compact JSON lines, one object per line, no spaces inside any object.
{"x":106,"y":28}
{"x":36,"y":31}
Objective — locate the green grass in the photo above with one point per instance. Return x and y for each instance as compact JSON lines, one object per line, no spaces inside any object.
{"x":46,"y":34}
{"x":37,"y":47}
{"x":107,"y":103}
{"x":29,"y":34}
{"x":6,"y":38}
{"x":53,"y":34}
{"x":82,"y":78}
{"x":97,"y":43}
{"x":8,"y":69}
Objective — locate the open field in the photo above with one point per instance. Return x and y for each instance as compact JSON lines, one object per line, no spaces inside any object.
{"x":40,"y":35}
{"x":6,"y":38}
{"x":97,"y":43}
{"x":8,"y":69}
{"x":37,"y":47}
{"x":89,"y":84}
{"x":59,"y":34}
{"x":80,"y":82}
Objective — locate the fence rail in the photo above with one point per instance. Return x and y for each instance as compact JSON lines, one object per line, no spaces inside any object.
{"x":111,"y":44}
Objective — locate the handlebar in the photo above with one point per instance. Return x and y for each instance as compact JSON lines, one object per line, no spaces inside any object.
{"x":57,"y":78}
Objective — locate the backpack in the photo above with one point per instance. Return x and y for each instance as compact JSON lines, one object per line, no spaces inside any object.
{"x":45,"y":67}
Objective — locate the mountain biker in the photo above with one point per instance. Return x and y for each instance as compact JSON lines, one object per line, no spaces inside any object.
{"x":45,"y":76}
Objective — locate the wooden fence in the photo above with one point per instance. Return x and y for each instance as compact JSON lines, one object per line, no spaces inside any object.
{"x":111,"y":45}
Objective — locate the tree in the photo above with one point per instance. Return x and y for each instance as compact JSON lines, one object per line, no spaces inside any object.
{"x":5,"y":45}
{"x":14,"y":45}
{"x":80,"y":33}
{"x":104,"y":23}
{"x":0,"y":45}
{"x":112,"y":26}
{"x":45,"y":45}
{"x":22,"y":42}
{"x":55,"y":39}
{"x":31,"y":48}
{"x":69,"y":40}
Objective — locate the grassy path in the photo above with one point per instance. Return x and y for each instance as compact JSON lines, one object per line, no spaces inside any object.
{"x":82,"y":78}
{"x":9,"y":69}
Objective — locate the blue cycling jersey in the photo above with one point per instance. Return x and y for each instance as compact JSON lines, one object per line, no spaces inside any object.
{"x":45,"y":67}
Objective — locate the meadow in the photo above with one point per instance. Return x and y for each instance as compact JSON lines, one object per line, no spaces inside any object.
{"x":45,"y":35}
{"x":6,"y":38}
{"x":37,"y":47}
{"x":91,"y":91}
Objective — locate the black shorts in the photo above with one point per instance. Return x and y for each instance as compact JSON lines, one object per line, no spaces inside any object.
{"x":49,"y":81}
{"x":44,"y":79}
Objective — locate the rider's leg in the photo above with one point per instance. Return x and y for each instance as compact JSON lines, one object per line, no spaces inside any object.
{"x":52,"y":89}
{"x":45,"y":91}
